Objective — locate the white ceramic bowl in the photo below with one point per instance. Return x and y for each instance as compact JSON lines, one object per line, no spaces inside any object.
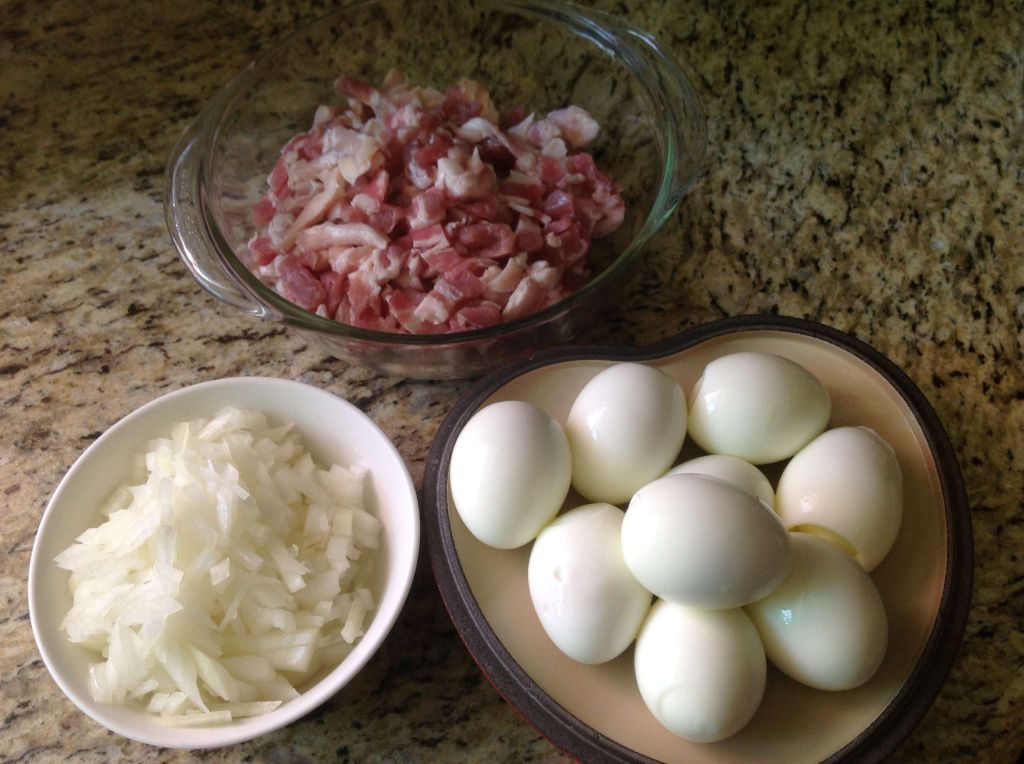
{"x":335,"y":431}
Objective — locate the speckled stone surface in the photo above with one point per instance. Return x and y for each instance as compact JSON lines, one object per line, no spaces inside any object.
{"x":866,"y":173}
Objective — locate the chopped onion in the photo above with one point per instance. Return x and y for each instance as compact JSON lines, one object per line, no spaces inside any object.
{"x":195,"y":719}
{"x":228,"y":575}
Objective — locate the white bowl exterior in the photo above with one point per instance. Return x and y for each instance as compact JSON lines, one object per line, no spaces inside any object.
{"x":334,"y":430}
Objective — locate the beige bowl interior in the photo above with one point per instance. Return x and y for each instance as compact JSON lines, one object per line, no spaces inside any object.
{"x":794,"y":723}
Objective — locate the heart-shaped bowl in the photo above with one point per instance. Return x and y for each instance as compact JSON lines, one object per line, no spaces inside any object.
{"x":595,"y":713}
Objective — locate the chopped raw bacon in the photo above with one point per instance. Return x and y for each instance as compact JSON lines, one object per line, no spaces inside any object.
{"x":378,"y":187}
{"x":505,"y":280}
{"x":263,"y":212}
{"x":403,"y":304}
{"x":559,"y":204}
{"x":552,"y":171}
{"x":434,"y":308}
{"x":528,"y":236}
{"x":385,"y":219}
{"x":476,"y":316}
{"x":336,"y":234}
{"x":462,"y":282}
{"x":577,"y":127}
{"x":559,"y":225}
{"x":314,"y":211}
{"x":334,"y":290}
{"x":458,"y":108}
{"x":262,"y":250}
{"x":545,"y":275}
{"x":357,"y":89}
{"x":344,"y":260}
{"x":488,"y":240}
{"x":438,"y":146}
{"x":298,"y":284}
{"x":428,"y":238}
{"x":408,"y":209}
{"x":528,"y":188}
{"x":363,"y":296}
{"x":485,"y":208}
{"x":513,"y":116}
{"x":421,"y":177}
{"x":527,"y":297}
{"x":497,"y":155}
{"x":426,"y":208}
{"x":441,"y":260}
{"x":279,"y":178}
{"x":464,"y":176}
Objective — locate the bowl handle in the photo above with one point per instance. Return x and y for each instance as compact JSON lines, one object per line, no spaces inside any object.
{"x":195,"y":244}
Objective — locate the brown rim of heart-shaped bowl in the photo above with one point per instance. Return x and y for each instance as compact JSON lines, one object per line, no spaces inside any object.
{"x":592,"y":713}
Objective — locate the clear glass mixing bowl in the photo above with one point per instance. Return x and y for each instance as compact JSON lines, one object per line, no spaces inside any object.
{"x":542,"y":54}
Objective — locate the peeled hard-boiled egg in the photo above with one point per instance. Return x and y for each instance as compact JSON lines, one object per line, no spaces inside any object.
{"x":757,"y":406}
{"x":509,"y":473}
{"x":700,"y":672}
{"x":847,"y":485}
{"x":700,"y":541}
{"x":587,"y":600}
{"x":825,"y":625}
{"x":625,"y":428}
{"x":731,"y":469}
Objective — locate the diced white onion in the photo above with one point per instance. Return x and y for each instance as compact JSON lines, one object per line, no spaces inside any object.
{"x":193,"y":719}
{"x":241,"y":710}
{"x":220,"y":573}
{"x":250,"y":668}
{"x":232,"y":558}
{"x":353,"y":627}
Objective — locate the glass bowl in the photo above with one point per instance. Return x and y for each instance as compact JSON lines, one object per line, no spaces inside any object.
{"x":544,"y":55}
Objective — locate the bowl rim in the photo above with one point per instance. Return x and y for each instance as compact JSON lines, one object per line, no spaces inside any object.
{"x":316,"y":694}
{"x":876,"y":741}
{"x":637,"y":49}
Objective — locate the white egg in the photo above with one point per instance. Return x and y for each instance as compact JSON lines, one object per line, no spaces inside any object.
{"x":757,"y":406}
{"x":700,"y":672}
{"x":698,"y":540}
{"x":733,"y":470}
{"x":509,"y":473}
{"x":847,"y":485}
{"x":625,"y":428}
{"x":825,"y":625}
{"x":587,"y":600}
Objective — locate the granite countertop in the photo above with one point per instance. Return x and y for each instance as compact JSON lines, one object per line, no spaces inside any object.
{"x":866,"y":173}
